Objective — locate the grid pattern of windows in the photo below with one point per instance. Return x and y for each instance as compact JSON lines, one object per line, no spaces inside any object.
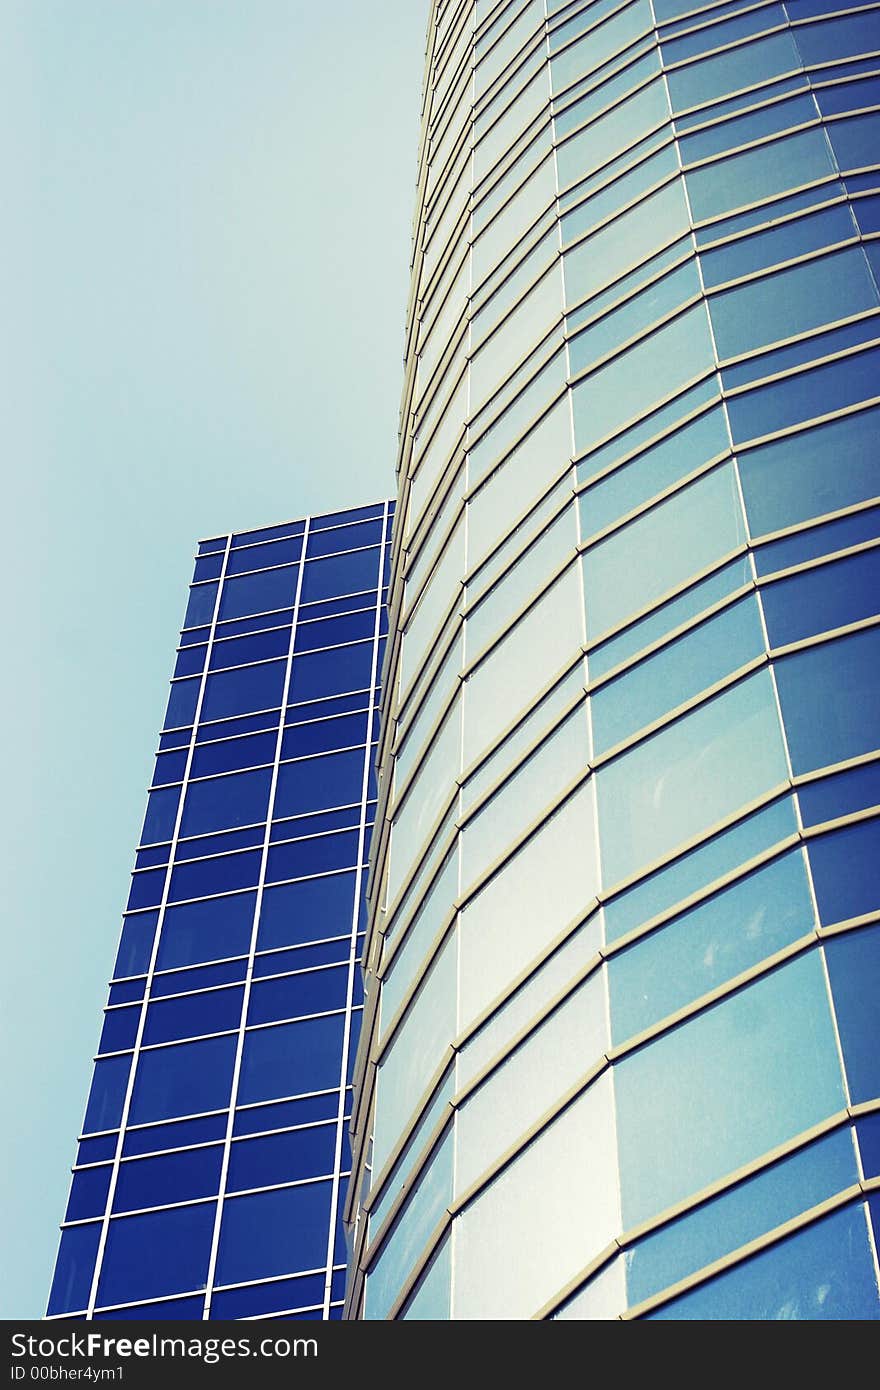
{"x":624,"y":942}
{"x":214,"y":1157}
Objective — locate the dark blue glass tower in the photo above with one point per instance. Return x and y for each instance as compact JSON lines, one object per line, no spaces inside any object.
{"x":212,"y":1166}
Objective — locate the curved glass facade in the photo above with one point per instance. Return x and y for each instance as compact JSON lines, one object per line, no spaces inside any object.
{"x":619,"y":1054}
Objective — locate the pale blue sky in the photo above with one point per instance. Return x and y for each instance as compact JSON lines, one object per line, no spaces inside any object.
{"x":206,"y":236}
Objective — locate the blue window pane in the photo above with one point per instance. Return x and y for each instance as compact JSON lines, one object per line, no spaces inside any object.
{"x":326,"y":542}
{"x":197,"y":847}
{"x":276,"y":1297}
{"x":652,"y":471}
{"x":74,"y":1269}
{"x":274,"y":1233}
{"x":321,"y":854}
{"x":240,"y":651}
{"x":710,"y":944}
{"x":829,"y":698}
{"x":135,"y":944}
{"x":331,"y":632}
{"x":155,"y":1138}
{"x":752,"y":1071}
{"x":303,"y":957}
{"x":740,"y":67}
{"x":290,"y":1058}
{"x":234,"y":753}
{"x":313,"y":785}
{"x":344,"y":574}
{"x":616,"y":193}
{"x":664,"y":362}
{"x":867,"y":212}
{"x":432,"y":1299}
{"x":94,"y":1150}
{"x":194,"y":636}
{"x":208,"y":567}
{"x":325,"y":709}
{"x":854,"y":970}
{"x":249,"y":688}
{"x":587,"y":266}
{"x":200,"y":608}
{"x":792,"y":301}
{"x":258,"y":593}
{"x":307,"y":911}
{"x":699,"y":867}
{"x":300,"y":1153}
{"x":176,"y":1177}
{"x":162,"y":1252}
{"x":799,"y":353}
{"x":774,"y":244}
{"x":182,"y":702}
{"x":822,"y":1272}
{"x":213,"y":1011}
{"x":160,"y":816}
{"x":234,"y":728}
{"x":837,"y":796}
{"x":127,"y":992}
{"x":848,"y":96}
{"x":316,"y":674}
{"x":759,"y":173}
{"x":155,"y":855}
{"x":109,"y":1082}
{"x":307,"y":1110}
{"x":209,"y":930}
{"x":179,"y":981}
{"x":170,"y":767}
{"x":190,"y":661}
{"x":260,"y":557}
{"x":324,"y":735}
{"x":88,"y":1193}
{"x":240,"y":627}
{"x":811,"y":473}
{"x":660,"y":550}
{"x":818,"y":540}
{"x":179,"y":1309}
{"x":722,"y":32}
{"x":694,"y":600}
{"x":422,"y":1210}
{"x":854,"y":139}
{"x":146,"y":889}
{"x":868,"y":1131}
{"x":634,"y":317}
{"x":267,"y":533}
{"x":750,"y":1209}
{"x":216,"y":543}
{"x":178,"y":739}
{"x":183,"y":1080}
{"x":792,"y":400}
{"x":332,"y":607}
{"x":343,"y":818}
{"x":597,"y":98}
{"x":683,"y":779}
{"x":119,"y":1030}
{"x":293,"y":995}
{"x":823,"y":598}
{"x":221,"y":874}
{"x":676,"y":673}
{"x":222,"y":802}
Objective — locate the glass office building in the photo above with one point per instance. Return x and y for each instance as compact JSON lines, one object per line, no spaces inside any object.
{"x":619,"y":1054}
{"x":214,"y":1157}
